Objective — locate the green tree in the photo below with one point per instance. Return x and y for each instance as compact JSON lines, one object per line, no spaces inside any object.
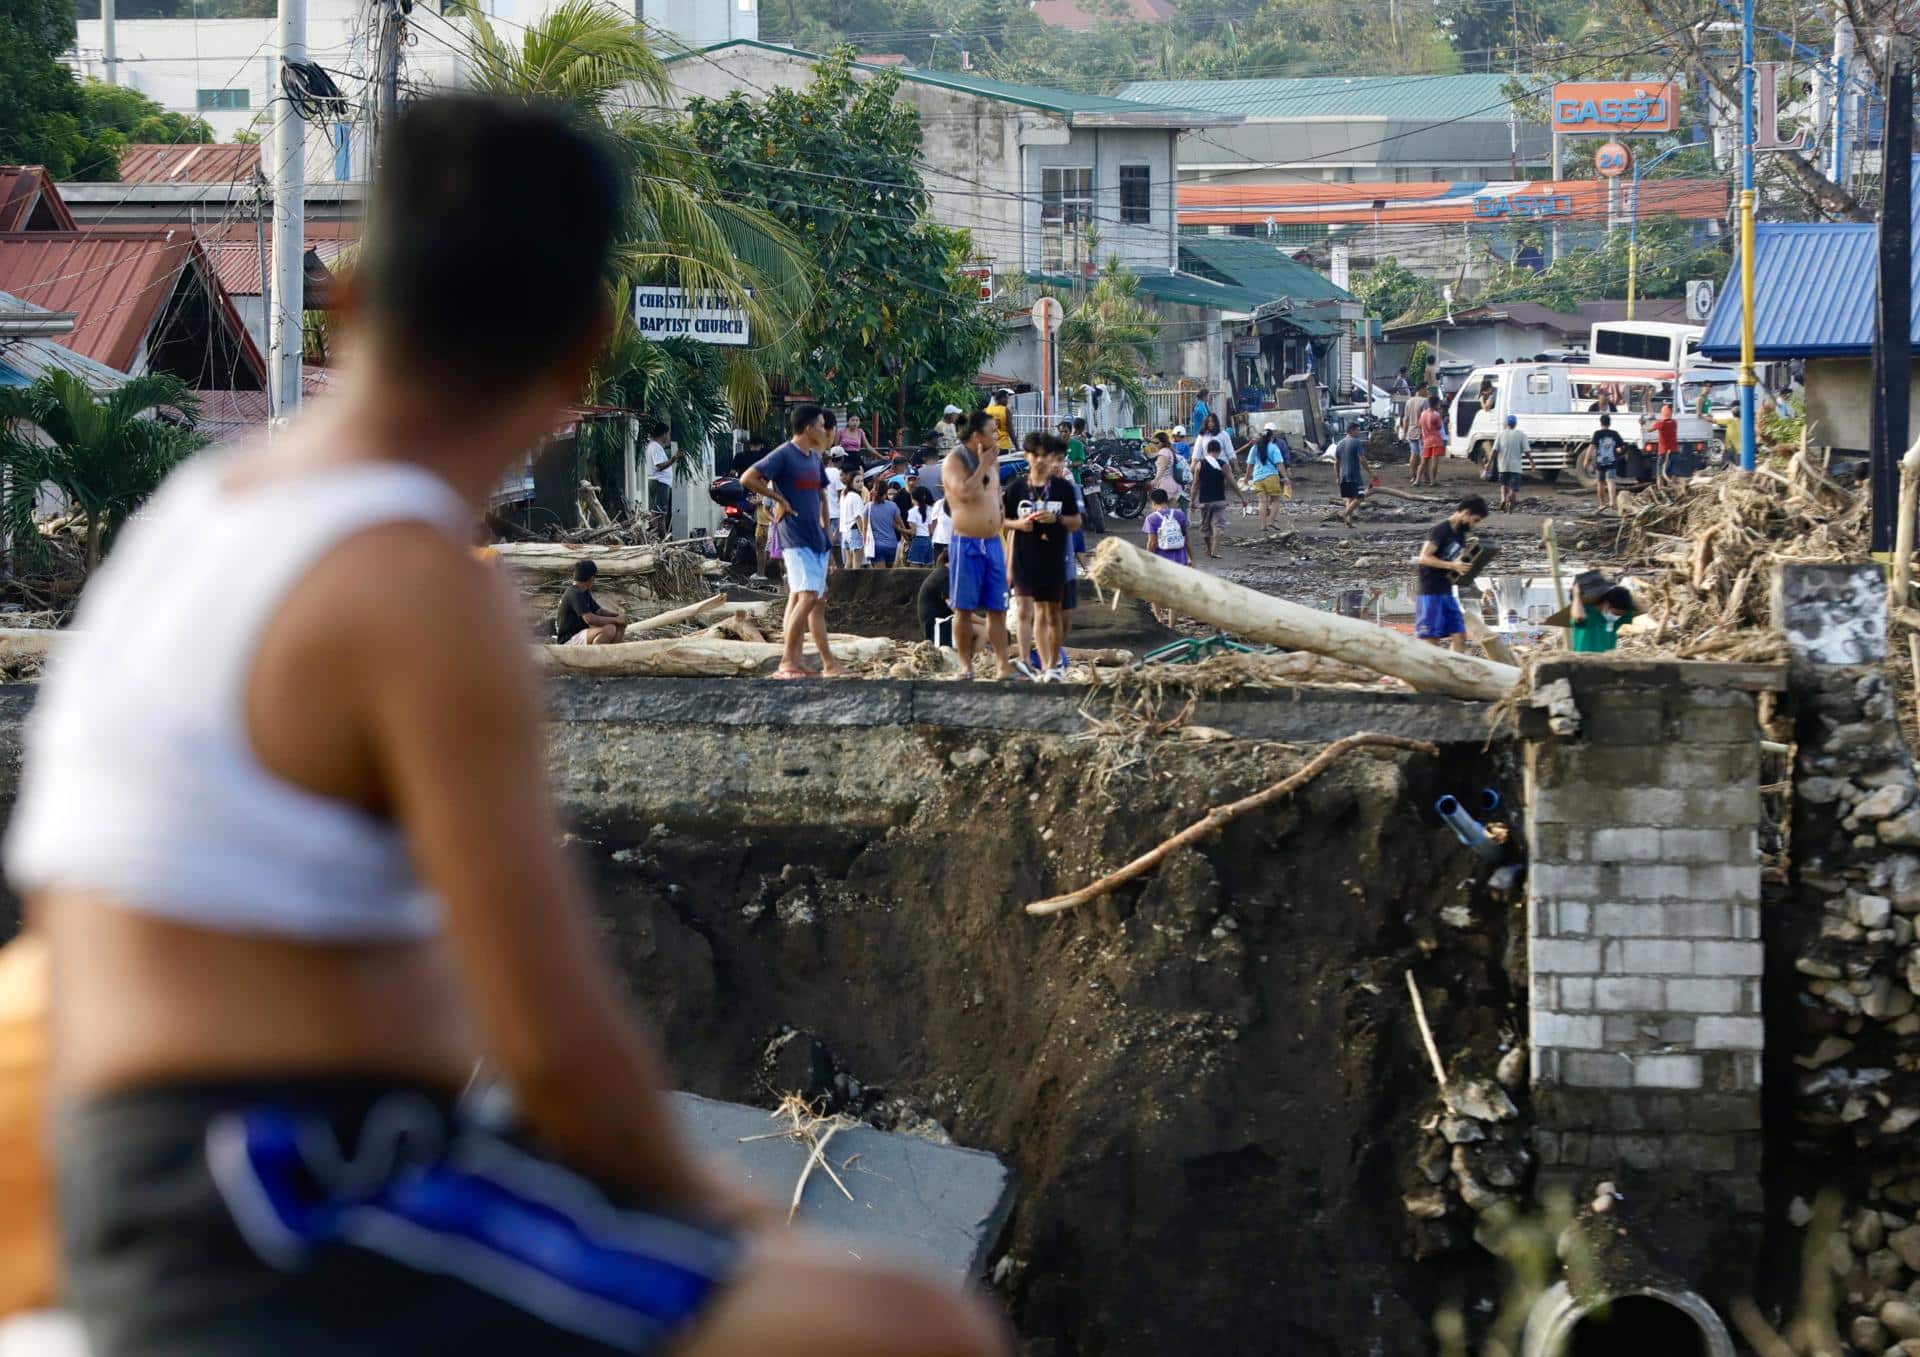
{"x":1391,"y":291}
{"x":107,"y":454}
{"x":835,"y":163}
{"x":131,"y":116}
{"x":1108,"y":335}
{"x":684,"y":228}
{"x":40,"y":110}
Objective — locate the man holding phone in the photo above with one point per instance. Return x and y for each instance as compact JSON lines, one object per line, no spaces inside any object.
{"x":1041,"y":511}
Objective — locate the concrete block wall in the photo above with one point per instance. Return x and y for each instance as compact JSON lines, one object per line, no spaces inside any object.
{"x":1644,"y":928}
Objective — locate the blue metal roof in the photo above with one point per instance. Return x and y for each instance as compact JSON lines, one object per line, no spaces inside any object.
{"x":1814,"y":289}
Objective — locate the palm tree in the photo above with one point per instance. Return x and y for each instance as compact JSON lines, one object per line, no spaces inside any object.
{"x":107,"y":454}
{"x":1108,"y":335}
{"x":682,"y":230}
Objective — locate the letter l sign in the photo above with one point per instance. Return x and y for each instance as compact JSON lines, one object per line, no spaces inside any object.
{"x":1766,"y":110}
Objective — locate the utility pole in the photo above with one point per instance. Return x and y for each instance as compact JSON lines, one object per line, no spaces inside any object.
{"x":1842,"y":56}
{"x":389,"y":22}
{"x":109,"y":58}
{"x":285,"y":322}
{"x":1893,"y":316}
{"x":1747,"y":378}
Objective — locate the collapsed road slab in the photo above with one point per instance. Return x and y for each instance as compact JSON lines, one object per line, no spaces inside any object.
{"x":940,"y":1206}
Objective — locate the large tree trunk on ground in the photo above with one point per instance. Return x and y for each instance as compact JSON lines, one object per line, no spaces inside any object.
{"x":556,"y":559}
{"x":696,"y":657}
{"x":26,"y":643}
{"x":1261,"y":617}
{"x":672,"y":615}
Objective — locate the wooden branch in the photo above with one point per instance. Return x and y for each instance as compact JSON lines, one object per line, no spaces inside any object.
{"x":695,"y":657}
{"x":673,"y":615}
{"x":1245,"y":612}
{"x":1426,"y":1037}
{"x":1485,"y":636}
{"x":557,"y":558}
{"x":1215,"y":819}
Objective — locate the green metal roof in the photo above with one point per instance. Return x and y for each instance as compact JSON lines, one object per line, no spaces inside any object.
{"x":1257,"y":266}
{"x":1177,"y":289}
{"x":1429,"y":98}
{"x":1080,"y":110}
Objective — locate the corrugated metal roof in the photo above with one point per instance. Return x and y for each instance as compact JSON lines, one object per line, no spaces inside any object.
{"x":1257,"y":266}
{"x":1176,"y":289}
{"x":1080,"y":110}
{"x":165,"y":164}
{"x":1429,"y":98}
{"x":235,"y":251}
{"x":1814,"y":289}
{"x":114,"y":281}
{"x":30,"y":202}
{"x":26,"y":357}
{"x":228,"y":415}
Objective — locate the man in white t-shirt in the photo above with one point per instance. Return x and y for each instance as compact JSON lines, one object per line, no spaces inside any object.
{"x":836,"y":486}
{"x":660,"y":464}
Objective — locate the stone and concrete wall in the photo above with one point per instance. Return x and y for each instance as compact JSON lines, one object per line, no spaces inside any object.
{"x":1644,"y":924}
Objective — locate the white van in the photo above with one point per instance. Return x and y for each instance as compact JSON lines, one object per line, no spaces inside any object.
{"x":1644,"y":344}
{"x":1558,"y":407}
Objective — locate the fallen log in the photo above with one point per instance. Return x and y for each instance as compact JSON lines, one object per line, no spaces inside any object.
{"x":1261,"y":617}
{"x":18,"y":644}
{"x":557,"y":558}
{"x":672,"y":615}
{"x":1483,"y":635}
{"x":696,"y":657}
{"x":1214,"y":819}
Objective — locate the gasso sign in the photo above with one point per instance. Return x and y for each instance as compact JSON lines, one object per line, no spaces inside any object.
{"x":675,"y":313}
{"x":1615,"y":107}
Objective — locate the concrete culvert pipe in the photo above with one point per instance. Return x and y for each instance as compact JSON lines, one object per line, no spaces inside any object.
{"x":1647,"y":1322}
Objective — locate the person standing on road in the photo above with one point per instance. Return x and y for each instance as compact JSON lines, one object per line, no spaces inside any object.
{"x":1164,"y":477}
{"x":947,"y":431}
{"x":977,"y":558}
{"x":1400,"y":387}
{"x":1212,"y":429}
{"x":884,"y":521}
{"x":794,"y":476}
{"x":1350,"y":464}
{"x":1211,"y":477}
{"x":854,"y":441}
{"x":1002,"y":418}
{"x":1607,"y":447}
{"x":1410,"y":431}
{"x":1040,"y":510}
{"x":660,"y":465}
{"x":1166,"y":533}
{"x":1512,"y":455}
{"x":1666,"y":433}
{"x":853,"y":522}
{"x":1201,"y":411}
{"x":1433,"y":442}
{"x":1436,"y":612}
{"x":1270,"y":477}
{"x":920,"y":519}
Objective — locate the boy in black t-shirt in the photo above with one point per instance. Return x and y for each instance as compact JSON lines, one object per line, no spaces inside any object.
{"x":1607,"y":446}
{"x":581,"y":620}
{"x":1041,"y":512}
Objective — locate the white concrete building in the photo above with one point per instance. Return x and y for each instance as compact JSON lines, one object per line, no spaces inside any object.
{"x":1029,"y":171}
{"x":224,"y":70}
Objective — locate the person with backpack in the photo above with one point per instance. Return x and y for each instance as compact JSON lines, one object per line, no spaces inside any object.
{"x":1607,"y":447}
{"x":1271,"y":479}
{"x":1166,"y":530}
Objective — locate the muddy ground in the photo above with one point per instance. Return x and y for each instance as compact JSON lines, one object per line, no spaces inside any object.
{"x":1209,"y":1084}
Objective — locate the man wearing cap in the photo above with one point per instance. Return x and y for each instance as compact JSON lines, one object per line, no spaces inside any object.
{"x":947,"y":431}
{"x":1512,"y":455}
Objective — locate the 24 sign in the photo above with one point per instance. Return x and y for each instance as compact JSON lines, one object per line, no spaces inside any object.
{"x":1611,"y":106}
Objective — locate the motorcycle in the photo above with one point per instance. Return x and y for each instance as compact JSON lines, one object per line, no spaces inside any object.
{"x":733,"y":540}
{"x":1124,"y":483}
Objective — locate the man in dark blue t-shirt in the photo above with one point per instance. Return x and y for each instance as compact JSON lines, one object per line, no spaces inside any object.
{"x":794,"y":477}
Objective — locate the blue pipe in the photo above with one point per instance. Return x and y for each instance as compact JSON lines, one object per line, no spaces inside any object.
{"x":1489,"y":801}
{"x":1469,"y":830}
{"x":1747,"y":431}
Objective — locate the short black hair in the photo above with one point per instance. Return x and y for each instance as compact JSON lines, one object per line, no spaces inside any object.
{"x":1213,"y":445}
{"x":1606,"y":421}
{"x":803,"y":417}
{"x":1474,"y":505}
{"x":486,"y":245}
{"x":976,"y":422}
{"x":1046,"y":444}
{"x":584,"y":570}
{"x":1079,"y":424}
{"x":1159,"y":497}
{"x":1618,"y":597}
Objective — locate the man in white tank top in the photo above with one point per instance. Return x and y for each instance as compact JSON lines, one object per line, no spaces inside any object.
{"x":300,"y":877}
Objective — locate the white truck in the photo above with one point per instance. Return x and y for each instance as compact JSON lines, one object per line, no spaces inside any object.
{"x":1558,"y":407}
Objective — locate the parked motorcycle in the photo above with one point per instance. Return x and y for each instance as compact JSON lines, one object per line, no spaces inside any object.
{"x":1124,"y":482}
{"x":733,"y":540}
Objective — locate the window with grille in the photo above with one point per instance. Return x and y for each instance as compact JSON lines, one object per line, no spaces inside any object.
{"x":1136,"y":195}
{"x":1066,"y":206}
{"x":224,"y":99}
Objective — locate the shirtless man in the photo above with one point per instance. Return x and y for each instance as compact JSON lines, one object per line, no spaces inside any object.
{"x":301,"y":879}
{"x":977,"y":559}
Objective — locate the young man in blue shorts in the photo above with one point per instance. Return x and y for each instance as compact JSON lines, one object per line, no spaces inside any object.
{"x":1436,"y":612}
{"x":977,"y":559}
{"x":794,"y":477}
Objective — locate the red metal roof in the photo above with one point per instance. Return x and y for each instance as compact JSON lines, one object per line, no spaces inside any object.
{"x":1334,"y":204}
{"x":115,"y":280}
{"x":149,"y":164}
{"x":235,"y":250}
{"x":30,"y":202}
